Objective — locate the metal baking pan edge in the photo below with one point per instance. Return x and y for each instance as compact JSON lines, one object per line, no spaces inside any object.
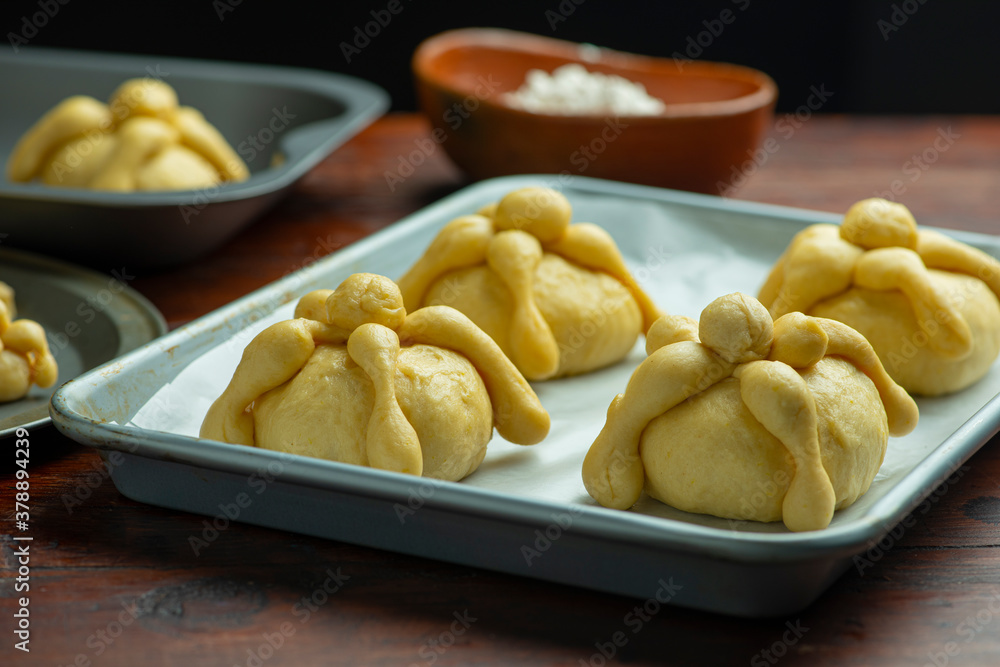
{"x":747,"y":561}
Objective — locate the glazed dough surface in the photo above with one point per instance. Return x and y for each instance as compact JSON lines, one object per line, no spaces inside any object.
{"x":594,"y":319}
{"x":439,"y":392}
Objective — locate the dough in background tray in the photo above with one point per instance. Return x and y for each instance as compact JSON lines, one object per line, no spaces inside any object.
{"x":727,"y":407}
{"x":354,"y":378}
{"x":25,"y":358}
{"x":142,"y":139}
{"x":556,"y":297}
{"x":927,"y":303}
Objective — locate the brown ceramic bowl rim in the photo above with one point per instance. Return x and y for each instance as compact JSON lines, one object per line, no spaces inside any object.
{"x":427,"y":51}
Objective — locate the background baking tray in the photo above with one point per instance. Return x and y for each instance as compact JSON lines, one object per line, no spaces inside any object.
{"x":89,"y":319}
{"x":525,"y":510}
{"x":300,"y":114}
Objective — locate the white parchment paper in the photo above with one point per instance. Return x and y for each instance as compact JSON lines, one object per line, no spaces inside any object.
{"x":684,"y":258}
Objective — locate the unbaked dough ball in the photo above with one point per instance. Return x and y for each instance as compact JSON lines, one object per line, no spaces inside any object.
{"x":757,"y":420}
{"x":356,"y":379}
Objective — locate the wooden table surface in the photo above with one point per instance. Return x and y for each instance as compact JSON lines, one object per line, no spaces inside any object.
{"x":115,"y":582}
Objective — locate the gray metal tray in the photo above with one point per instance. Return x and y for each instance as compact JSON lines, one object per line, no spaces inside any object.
{"x":303,"y":115}
{"x":89,"y":319}
{"x":525,"y":510}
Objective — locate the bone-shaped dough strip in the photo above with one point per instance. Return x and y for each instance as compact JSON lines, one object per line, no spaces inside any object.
{"x":612,"y":470}
{"x":517,"y":413}
{"x":514,"y":256}
{"x":461,"y":243}
{"x":139,"y":138}
{"x":818,"y":264}
{"x":590,"y":246}
{"x":201,"y":136}
{"x":782,"y":402}
{"x":941,"y":252}
{"x":904,"y":270}
{"x":391,"y":442}
{"x":69,"y":119}
{"x":272,"y":358}
{"x":843,"y":341}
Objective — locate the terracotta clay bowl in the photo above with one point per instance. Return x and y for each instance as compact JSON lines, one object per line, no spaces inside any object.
{"x":715,"y":118}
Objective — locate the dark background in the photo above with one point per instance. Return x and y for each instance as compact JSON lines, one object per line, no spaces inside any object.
{"x":941,"y":59}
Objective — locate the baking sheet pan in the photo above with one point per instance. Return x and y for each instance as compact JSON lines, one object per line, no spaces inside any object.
{"x":264,"y":112}
{"x":89,"y":319}
{"x":525,"y":510}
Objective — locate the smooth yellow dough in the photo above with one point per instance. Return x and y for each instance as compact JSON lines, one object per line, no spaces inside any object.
{"x":25,"y":358}
{"x":927,"y":303}
{"x":799,"y":406}
{"x":598,"y":328}
{"x":141,"y":140}
{"x":355,"y":379}
{"x":556,"y":297}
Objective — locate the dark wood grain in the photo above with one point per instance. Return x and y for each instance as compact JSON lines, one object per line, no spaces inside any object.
{"x":115,"y":582}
